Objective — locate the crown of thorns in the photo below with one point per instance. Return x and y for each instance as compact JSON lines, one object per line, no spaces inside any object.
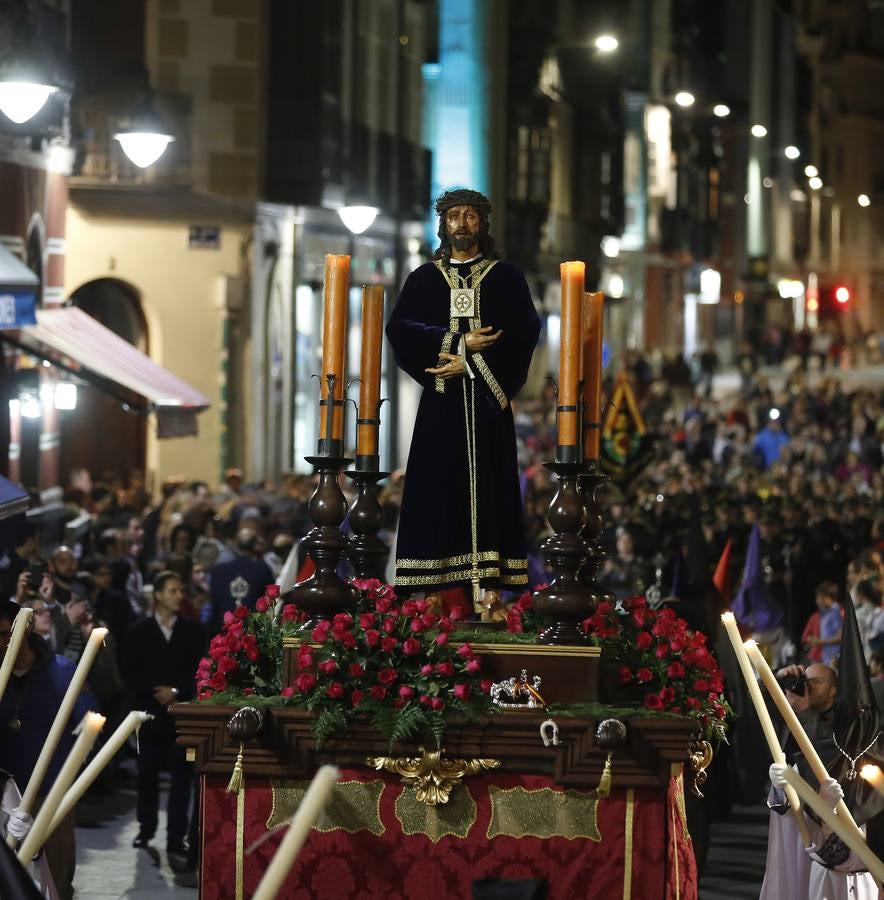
{"x":463,"y":197}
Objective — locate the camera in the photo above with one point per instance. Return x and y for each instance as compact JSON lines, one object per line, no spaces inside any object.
{"x":796,"y":684}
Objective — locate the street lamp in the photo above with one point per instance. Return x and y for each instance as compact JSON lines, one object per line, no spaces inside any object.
{"x":811,"y":171}
{"x":145,"y":139}
{"x":815,"y":183}
{"x":20,"y":101}
{"x":358,"y":218}
{"x":792,"y":152}
{"x":722,"y":110}
{"x":863,"y":200}
{"x":758,"y":130}
{"x":684,"y":99}
{"x":606,"y":43}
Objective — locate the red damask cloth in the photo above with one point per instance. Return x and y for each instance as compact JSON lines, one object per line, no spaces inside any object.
{"x":644,"y":851}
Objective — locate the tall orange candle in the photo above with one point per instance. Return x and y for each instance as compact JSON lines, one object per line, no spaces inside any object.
{"x":570,"y":356}
{"x":370,"y":375}
{"x":593,"y":327}
{"x":334,"y":338}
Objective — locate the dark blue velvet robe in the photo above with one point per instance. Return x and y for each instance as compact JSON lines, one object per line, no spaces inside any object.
{"x":434,"y":547}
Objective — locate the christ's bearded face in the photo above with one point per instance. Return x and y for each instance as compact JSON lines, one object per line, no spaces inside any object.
{"x":462,"y":224}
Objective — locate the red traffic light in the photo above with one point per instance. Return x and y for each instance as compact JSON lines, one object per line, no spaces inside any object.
{"x":842,"y":294}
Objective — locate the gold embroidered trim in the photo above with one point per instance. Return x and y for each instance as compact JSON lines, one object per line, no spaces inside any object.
{"x":543,"y":813}
{"x":455,"y":818}
{"x":477,"y":271}
{"x":352,"y":807}
{"x":240,"y":841}
{"x":447,"y":338}
{"x":627,"y":844}
{"x":490,"y":380}
{"x":465,"y":575}
{"x":456,"y":562}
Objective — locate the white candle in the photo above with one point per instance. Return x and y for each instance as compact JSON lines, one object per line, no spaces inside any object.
{"x":16,"y":639}
{"x":791,"y":719}
{"x":92,"y":725}
{"x":767,"y":726}
{"x":854,"y":839}
{"x":132,"y":722}
{"x":96,"y":639}
{"x":874,"y":776}
{"x":302,"y":821}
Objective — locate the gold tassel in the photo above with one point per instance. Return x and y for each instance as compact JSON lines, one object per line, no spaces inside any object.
{"x":235,"y":784}
{"x":604,"y":785}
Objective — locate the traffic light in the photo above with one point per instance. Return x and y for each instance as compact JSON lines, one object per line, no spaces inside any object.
{"x":842,"y":295}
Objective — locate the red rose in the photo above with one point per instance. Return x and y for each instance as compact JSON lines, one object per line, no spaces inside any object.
{"x":421,"y":606}
{"x":639,"y":617}
{"x":644,"y":674}
{"x":425,"y":699}
{"x":366,"y":620}
{"x":217,"y":682}
{"x":305,"y":682}
{"x":305,"y":656}
{"x":675,"y":670}
{"x":411,"y":647}
{"x":436,"y":703}
{"x":372,"y":637}
{"x":341,"y":619}
{"x":427,"y":669}
{"x":241,"y":613}
{"x":700,"y":686}
{"x":289,"y":612}
{"x":335,"y":690}
{"x":262,"y":604}
{"x":514,"y":622}
{"x":667,"y":695}
{"x":356,"y":697}
{"x":356,"y":670}
{"x":389,"y":644}
{"x":464,"y":650}
{"x":387,"y":676}
{"x":456,"y":614}
{"x":446,"y":669}
{"x":416,"y":626}
{"x":662,"y":650}
{"x":643,"y":640}
{"x":348,"y":640}
{"x":653,"y":701}
{"x":271,"y":591}
{"x":205,"y":695}
{"x":409,"y":609}
{"x":692,"y":703}
{"x":677,"y":644}
{"x":328,"y":666}
{"x":473,"y":666}
{"x":429,"y":620}
{"x":720,"y":711}
{"x":524,"y":602}
{"x":287,"y":691}
{"x":228,"y":618}
{"x":388,"y":626}
{"x":462,"y":691}
{"x":406,"y":692}
{"x":442,"y":638}
{"x":486,"y":684}
{"x":624,"y":674}
{"x":320,"y":633}
{"x":378,"y":692}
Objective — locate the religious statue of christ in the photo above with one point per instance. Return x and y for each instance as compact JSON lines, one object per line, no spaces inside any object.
{"x":464,"y":327}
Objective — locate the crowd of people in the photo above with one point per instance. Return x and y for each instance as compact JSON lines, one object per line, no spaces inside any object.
{"x":802,"y":465}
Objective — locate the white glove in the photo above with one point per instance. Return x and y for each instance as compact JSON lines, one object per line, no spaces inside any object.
{"x":19,"y":824}
{"x":831,"y":792}
{"x":776,"y":775}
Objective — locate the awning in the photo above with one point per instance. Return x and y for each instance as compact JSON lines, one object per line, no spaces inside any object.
{"x":13,"y":500}
{"x":71,"y":339}
{"x":18,"y":291}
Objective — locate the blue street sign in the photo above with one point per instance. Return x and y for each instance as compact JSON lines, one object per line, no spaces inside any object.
{"x":17,"y":308}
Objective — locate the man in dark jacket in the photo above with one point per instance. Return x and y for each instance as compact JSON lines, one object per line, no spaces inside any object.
{"x":163,"y":652}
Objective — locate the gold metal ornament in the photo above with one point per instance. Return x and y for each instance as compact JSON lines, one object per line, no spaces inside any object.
{"x":699,"y":759}
{"x":431,"y":776}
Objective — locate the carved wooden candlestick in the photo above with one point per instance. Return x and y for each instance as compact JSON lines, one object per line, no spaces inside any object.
{"x":366,"y":551}
{"x":324,"y":593}
{"x":589,"y":481}
{"x":566,"y":600}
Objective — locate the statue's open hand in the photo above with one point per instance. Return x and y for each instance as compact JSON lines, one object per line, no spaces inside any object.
{"x":481,"y":338}
{"x":451,"y":366}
